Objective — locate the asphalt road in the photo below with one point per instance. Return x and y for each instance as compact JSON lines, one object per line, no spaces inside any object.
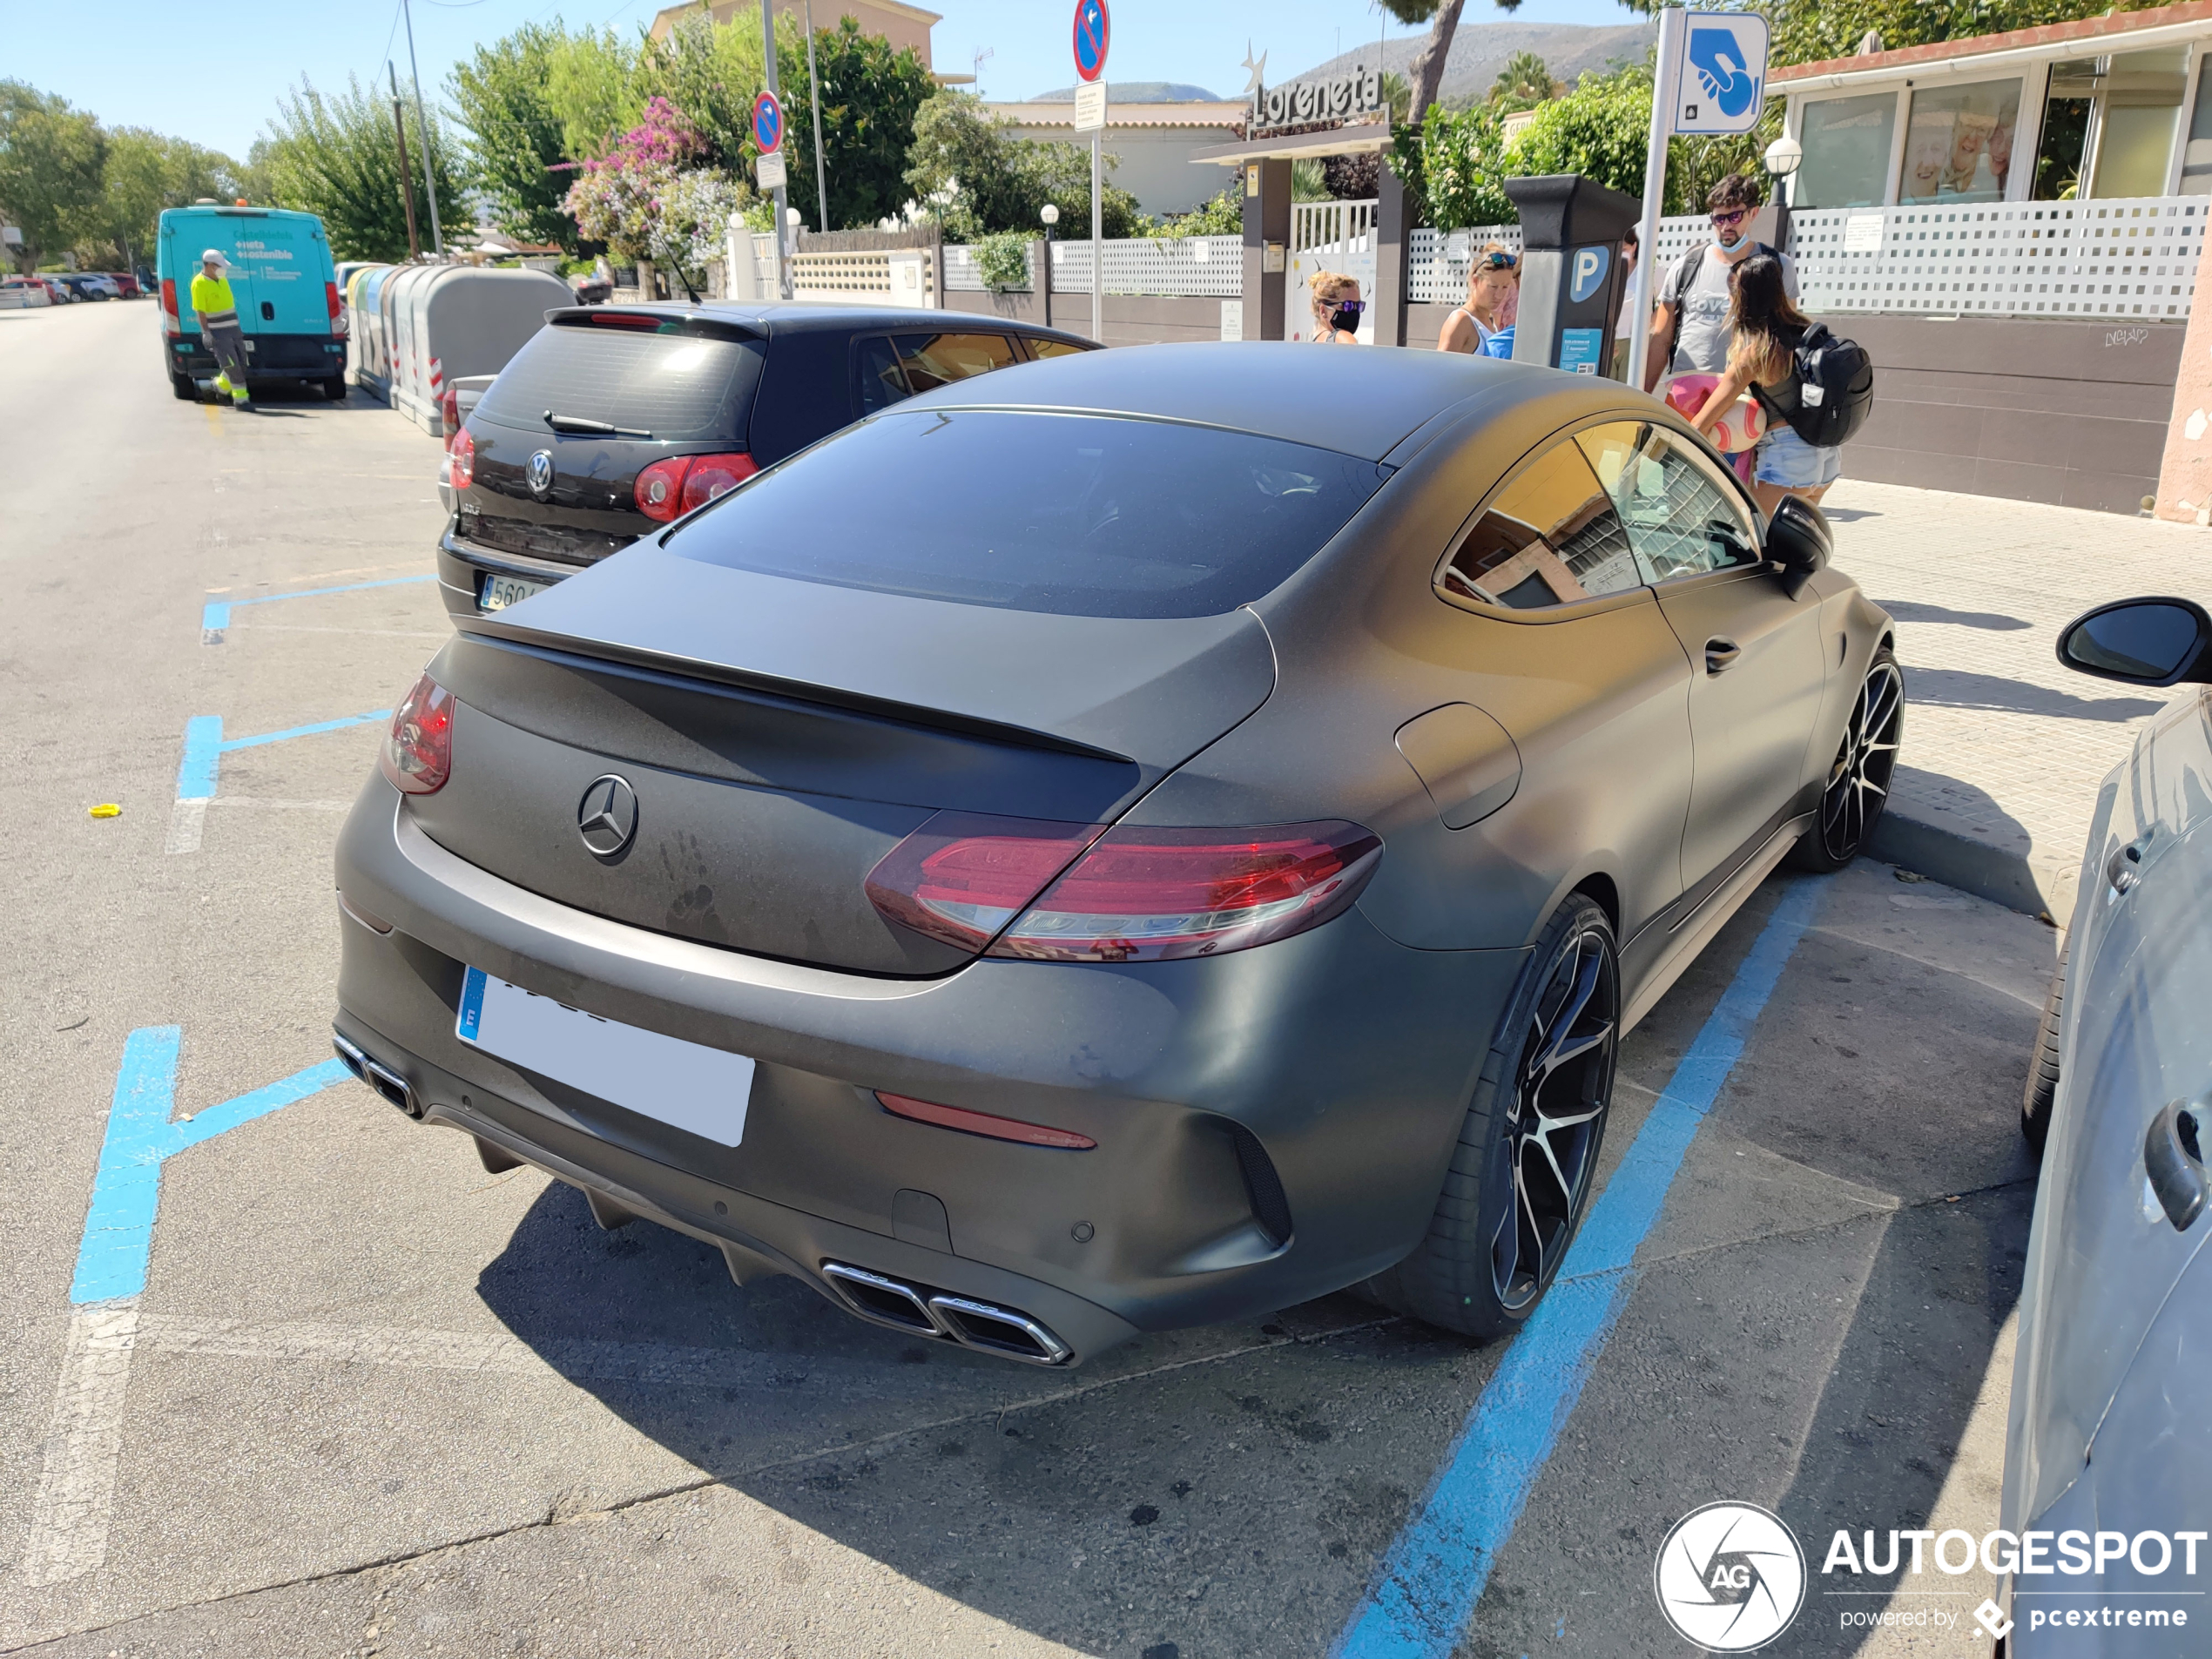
{"x":372,"y":1400}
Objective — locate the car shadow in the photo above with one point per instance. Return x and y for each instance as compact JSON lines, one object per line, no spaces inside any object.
{"x":1913,"y":610}
{"x":1961,"y":688}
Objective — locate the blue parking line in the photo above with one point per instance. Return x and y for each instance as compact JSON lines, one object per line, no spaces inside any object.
{"x":206,"y":746}
{"x":215,"y":616}
{"x":118,"y":1223}
{"x":1437,"y":1569}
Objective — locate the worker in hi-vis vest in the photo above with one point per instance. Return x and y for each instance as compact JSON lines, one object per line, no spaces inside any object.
{"x":217,"y":311}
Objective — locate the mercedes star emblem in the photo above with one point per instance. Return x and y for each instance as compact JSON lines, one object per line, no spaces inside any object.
{"x":540,"y":473}
{"x":607,"y":816}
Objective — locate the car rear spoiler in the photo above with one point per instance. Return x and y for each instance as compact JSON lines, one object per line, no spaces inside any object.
{"x":655,"y":319}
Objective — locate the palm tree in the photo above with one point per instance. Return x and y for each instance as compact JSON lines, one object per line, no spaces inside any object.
{"x":1524,"y":83}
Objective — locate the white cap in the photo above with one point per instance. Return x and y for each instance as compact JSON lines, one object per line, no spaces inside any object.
{"x":213,"y":256}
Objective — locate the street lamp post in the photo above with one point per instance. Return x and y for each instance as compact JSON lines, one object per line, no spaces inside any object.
{"x":1782,"y":160}
{"x":1050,"y":214}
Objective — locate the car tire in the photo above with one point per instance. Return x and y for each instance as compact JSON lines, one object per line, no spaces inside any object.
{"x":2043,"y":1062}
{"x":1857,"y":785}
{"x":334,"y":388}
{"x":183,"y":388}
{"x":1521,"y":1174}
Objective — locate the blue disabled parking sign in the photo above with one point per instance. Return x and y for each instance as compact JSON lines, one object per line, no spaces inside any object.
{"x":1723,"y":86}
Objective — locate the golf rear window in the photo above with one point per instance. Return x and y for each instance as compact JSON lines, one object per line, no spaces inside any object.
{"x":1085,"y":516}
{"x":677,"y":387}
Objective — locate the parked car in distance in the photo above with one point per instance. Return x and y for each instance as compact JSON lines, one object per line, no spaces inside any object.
{"x":2111,"y":1389}
{"x":126,"y":286}
{"x":283,"y":283}
{"x":615,"y":419}
{"x":57,"y":290}
{"x":1143,"y":842}
{"x":462,"y":393}
{"x":23,"y":293}
{"x":91,"y":285}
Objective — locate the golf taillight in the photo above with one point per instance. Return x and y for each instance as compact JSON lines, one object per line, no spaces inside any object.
{"x":1065,"y":893}
{"x":669,"y":489}
{"x":418,"y":751}
{"x":462,"y":449}
{"x":449,"y":412}
{"x":337,"y":307}
{"x":169,"y":306}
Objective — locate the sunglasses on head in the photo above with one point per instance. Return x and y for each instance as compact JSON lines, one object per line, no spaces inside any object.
{"x":1728,"y":216}
{"x":1499,"y":262}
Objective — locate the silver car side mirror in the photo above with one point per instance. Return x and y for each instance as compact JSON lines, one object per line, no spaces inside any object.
{"x":2174,"y":1159}
{"x":2144,"y":642}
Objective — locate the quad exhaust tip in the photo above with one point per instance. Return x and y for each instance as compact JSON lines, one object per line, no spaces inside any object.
{"x":381,"y":1078}
{"x":1004,"y":1331}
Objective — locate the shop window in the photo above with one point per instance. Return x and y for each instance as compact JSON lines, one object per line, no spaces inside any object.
{"x":2065,"y":145}
{"x":2143,"y":102}
{"x":1847,"y":152}
{"x":2197,"y":160}
{"x":1959,"y":143}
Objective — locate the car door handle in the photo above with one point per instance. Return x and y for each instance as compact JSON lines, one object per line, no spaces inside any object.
{"x":1721,"y":655}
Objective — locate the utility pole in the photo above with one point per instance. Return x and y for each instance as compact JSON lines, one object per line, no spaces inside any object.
{"x":783,"y":193}
{"x":407,"y":179}
{"x":814,"y":103}
{"x":423,"y":126}
{"x":1098,"y":248}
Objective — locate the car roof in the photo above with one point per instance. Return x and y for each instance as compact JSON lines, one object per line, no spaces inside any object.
{"x":802,"y":318}
{"x":1356,"y":402}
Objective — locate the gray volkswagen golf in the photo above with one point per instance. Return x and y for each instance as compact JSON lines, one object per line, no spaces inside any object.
{"x":1134,"y":841}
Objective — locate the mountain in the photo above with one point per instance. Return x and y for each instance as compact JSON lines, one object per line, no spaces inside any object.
{"x":1138,"y":92}
{"x":1481,"y":49}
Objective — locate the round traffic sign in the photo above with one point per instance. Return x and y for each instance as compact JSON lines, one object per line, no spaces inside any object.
{"x":768,"y":123}
{"x":1094,"y":30}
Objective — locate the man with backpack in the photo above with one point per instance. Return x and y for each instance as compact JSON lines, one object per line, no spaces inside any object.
{"x":1689,"y":333}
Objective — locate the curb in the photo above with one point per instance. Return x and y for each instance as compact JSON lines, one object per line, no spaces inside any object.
{"x":2034,"y":885}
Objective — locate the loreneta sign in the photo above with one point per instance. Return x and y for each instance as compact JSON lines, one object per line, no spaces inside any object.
{"x":1305,"y":102}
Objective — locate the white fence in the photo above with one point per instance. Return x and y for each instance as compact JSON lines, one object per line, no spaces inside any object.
{"x":2128,"y":258}
{"x":1200,"y":266}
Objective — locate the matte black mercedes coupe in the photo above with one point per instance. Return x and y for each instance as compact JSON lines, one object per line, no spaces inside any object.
{"x":1131,"y":842}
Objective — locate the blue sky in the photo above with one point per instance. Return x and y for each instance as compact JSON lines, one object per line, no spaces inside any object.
{"x":212,"y":73}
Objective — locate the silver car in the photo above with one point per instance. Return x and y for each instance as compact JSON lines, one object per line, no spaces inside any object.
{"x":2108,"y":1460}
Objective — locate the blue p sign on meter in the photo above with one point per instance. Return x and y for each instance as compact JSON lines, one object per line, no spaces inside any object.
{"x":1094,"y":30}
{"x":1723,"y":81}
{"x":1586,"y":275}
{"x":768,"y":123}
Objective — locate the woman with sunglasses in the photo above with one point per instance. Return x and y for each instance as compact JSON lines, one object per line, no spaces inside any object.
{"x":1492,"y":282}
{"x":1337,"y":308}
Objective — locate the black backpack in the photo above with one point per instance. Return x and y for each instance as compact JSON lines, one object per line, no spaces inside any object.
{"x":1830,"y":391}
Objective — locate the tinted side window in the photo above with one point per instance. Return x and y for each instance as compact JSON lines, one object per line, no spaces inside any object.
{"x":1041,"y":349}
{"x":1683,"y":518}
{"x":932,"y":360}
{"x":1549,"y":537}
{"x":877,"y":376}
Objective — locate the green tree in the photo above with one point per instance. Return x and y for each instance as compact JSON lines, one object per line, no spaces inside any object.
{"x":964,"y":168}
{"x":1524,"y":83}
{"x":52,"y":159}
{"x":334,"y":156}
{"x":870,"y":97}
{"x":145,"y":173}
{"x":594,"y":87}
{"x":517,"y":154}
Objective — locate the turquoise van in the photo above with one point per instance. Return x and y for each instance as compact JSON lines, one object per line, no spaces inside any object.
{"x":283,"y":280}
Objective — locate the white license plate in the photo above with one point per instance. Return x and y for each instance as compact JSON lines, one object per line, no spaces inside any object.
{"x":500,"y":591}
{"x":687,"y":1085}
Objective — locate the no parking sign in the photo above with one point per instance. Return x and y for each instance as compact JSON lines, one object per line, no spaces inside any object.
{"x":768,"y":133}
{"x":1094,"y":32}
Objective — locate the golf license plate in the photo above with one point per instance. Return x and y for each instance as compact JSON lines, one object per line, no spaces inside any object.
{"x":500,"y":591}
{"x":686,"y":1085}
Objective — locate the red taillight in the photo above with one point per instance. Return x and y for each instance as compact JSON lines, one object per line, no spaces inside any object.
{"x":462,"y":449}
{"x":1145,"y":895}
{"x":962,"y":876}
{"x":449,"y":412}
{"x":337,"y":307}
{"x":169,"y":306}
{"x":712,"y":475}
{"x":1000,"y":1129}
{"x":418,"y":751}
{"x":668,"y":488}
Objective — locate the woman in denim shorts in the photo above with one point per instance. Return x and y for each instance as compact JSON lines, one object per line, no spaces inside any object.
{"x":1766,"y":328}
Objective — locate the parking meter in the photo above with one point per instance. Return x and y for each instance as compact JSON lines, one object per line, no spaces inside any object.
{"x":1572,"y":284}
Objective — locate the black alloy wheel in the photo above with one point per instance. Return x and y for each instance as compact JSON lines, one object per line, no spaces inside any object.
{"x":1857,"y":787}
{"x":1521,"y":1176}
{"x":1549,"y":1148}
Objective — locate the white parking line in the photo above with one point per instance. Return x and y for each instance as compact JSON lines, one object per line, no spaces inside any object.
{"x":68,"y":1517}
{"x":187,"y":820}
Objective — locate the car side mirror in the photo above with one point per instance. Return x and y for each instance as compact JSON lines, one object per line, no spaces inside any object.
{"x":1798,"y":539}
{"x":2145,"y":641}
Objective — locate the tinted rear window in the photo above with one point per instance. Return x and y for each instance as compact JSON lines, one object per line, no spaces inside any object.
{"x":1078,"y":515}
{"x":680,"y":388}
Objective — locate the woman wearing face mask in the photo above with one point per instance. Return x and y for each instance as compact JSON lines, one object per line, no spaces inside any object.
{"x":1491,"y":283}
{"x":1763,"y":331}
{"x":1336,"y":305}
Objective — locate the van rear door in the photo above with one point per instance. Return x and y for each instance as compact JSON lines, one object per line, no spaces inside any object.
{"x":281,"y":259}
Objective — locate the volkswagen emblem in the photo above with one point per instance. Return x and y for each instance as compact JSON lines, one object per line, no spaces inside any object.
{"x":540,"y":473}
{"x":607,"y":817}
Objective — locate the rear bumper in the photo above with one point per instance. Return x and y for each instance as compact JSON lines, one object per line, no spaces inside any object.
{"x":1343,"y":1059}
{"x":276,"y":357}
{"x":463,"y":563}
